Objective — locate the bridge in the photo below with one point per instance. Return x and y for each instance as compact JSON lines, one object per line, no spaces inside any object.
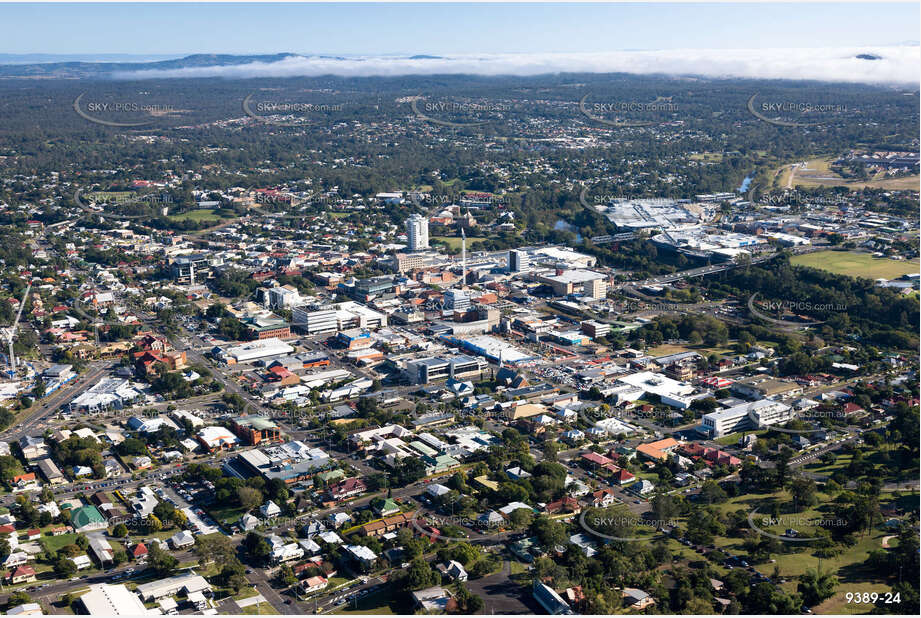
{"x":609,"y":238}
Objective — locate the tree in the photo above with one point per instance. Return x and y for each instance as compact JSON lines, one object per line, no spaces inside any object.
{"x":215,"y":548}
{"x":712,"y":492}
{"x":521,"y":518}
{"x":249,"y":497}
{"x":179,"y":518}
{"x":782,"y":466}
{"x":420,"y":575}
{"x":816,"y":586}
{"x":256,"y":547}
{"x":120,"y":531}
{"x":160,"y":560}
{"x":804,"y":493}
{"x":549,"y":532}
{"x":286,"y":576}
{"x":18,"y":598}
{"x":64,"y":568}
{"x":153,"y":523}
{"x":665,"y":507}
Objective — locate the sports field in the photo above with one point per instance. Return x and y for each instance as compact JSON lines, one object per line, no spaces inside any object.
{"x":856,"y":264}
{"x":201,"y":214}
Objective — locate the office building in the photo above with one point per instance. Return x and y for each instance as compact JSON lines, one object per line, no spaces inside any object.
{"x":596,"y":289}
{"x":746,"y":416}
{"x":518,"y":261}
{"x":456,"y":300}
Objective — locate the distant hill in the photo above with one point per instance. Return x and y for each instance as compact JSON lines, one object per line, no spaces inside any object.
{"x":82,"y":69}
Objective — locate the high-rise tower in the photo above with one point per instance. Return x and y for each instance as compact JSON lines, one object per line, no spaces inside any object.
{"x":417,"y":231}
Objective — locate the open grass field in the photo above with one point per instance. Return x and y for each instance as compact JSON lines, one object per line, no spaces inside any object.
{"x":710,"y":157}
{"x":817,"y":173}
{"x":200,"y":214}
{"x":55,"y":543}
{"x":454,"y":242}
{"x":856,"y":264}
{"x":666,"y":349}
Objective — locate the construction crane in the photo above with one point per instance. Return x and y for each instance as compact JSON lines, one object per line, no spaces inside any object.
{"x":9,"y":333}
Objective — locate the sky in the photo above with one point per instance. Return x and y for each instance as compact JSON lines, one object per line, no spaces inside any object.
{"x":380,"y":29}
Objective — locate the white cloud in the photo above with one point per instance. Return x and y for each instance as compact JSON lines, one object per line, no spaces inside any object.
{"x":897,"y":65}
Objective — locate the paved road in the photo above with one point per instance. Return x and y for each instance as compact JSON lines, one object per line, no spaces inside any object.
{"x":50,"y":404}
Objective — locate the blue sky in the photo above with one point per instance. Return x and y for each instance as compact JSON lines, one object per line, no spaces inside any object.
{"x":445,"y":28}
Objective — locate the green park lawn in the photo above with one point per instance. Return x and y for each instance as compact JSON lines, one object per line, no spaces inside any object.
{"x":454,"y":242}
{"x":856,"y":264}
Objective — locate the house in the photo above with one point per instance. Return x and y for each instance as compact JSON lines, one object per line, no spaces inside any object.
{"x":574,"y":596}
{"x":623,"y":477}
{"x":314,"y":584}
{"x":286,"y":553}
{"x":21,"y":574}
{"x":585,"y":543}
{"x":573,"y":436}
{"x":310,"y":547}
{"x":248,"y":522}
{"x":361,"y":554}
{"x":435,"y":599}
{"x":453,"y":570}
{"x":643,"y":488}
{"x":24,"y":482}
{"x":15,"y":559}
{"x":26,"y":609}
{"x":82,"y":562}
{"x":852,"y":408}
{"x":270,"y":509}
{"x":566,"y":504}
{"x":138,"y":552}
{"x":603,"y":498}
{"x":526,"y":549}
{"x":312,"y":528}
{"x":637,"y":599}
{"x":33,"y":448}
{"x":181,"y":539}
{"x":548,"y":598}
{"x":330,"y":538}
{"x":347,"y":488}
{"x":388,"y":507}
{"x":491,"y":519}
